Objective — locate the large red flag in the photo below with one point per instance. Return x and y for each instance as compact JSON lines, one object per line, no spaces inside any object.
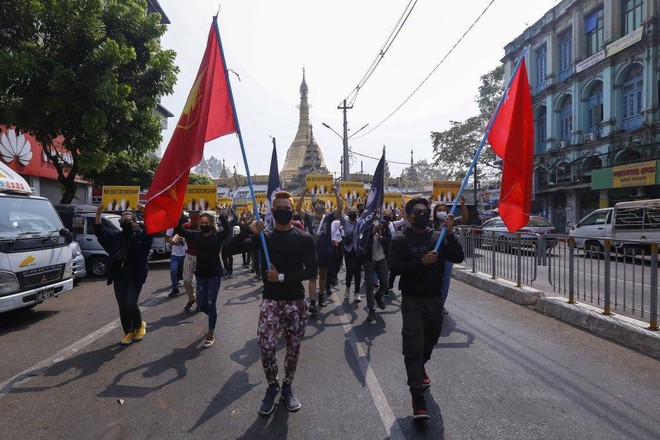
{"x":512,"y":139}
{"x":207,"y":115}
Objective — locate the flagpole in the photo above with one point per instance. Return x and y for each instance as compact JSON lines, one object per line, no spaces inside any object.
{"x":240,"y":141}
{"x":481,"y":146}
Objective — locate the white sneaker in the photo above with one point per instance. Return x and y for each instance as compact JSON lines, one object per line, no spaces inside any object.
{"x":357,"y":298}
{"x":347,"y":293}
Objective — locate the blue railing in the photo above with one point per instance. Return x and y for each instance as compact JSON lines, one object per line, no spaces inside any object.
{"x":632,"y":123}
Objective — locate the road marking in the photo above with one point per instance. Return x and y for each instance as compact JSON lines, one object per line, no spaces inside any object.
{"x":38,"y":368}
{"x":390,"y":422}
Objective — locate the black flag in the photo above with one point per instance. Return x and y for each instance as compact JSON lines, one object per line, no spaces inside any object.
{"x":374,"y":203}
{"x":274,"y":186}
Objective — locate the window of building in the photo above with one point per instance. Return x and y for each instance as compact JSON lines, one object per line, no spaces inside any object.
{"x":595,"y":109}
{"x":631,"y":117}
{"x":565,"y":55}
{"x":566,"y":119}
{"x":541,"y":128}
{"x":541,"y":68}
{"x":632,"y":15}
{"x":593,"y":27}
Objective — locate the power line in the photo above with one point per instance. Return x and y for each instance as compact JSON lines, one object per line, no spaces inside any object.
{"x":378,"y":158}
{"x":432,"y":71}
{"x":386,"y":46}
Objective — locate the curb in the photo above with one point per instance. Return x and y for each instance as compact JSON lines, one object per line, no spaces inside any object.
{"x":629,"y":332}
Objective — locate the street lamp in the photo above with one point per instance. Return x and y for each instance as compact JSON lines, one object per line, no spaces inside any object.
{"x":345,"y":163}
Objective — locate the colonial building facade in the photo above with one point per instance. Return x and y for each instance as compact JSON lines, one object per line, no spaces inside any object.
{"x":594,"y":70}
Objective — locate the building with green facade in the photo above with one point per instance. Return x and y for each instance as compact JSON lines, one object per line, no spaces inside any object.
{"x":594,"y":69}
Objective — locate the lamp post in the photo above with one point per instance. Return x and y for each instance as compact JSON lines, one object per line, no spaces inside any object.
{"x":345,"y":171}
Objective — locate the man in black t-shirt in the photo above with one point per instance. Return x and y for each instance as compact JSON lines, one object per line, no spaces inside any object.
{"x":422,"y":271}
{"x":283,"y":308}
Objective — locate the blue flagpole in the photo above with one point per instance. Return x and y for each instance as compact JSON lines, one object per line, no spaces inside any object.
{"x":240,"y":141}
{"x":481,"y":146}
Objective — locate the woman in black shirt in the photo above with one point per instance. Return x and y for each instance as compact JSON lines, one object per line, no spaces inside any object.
{"x":208,"y":271}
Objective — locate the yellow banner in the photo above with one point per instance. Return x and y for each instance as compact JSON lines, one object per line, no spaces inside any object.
{"x":445,"y":190}
{"x":319,"y":183}
{"x":392,"y":200}
{"x":329,"y":200}
{"x":352,"y":192}
{"x":120,"y":198}
{"x":261,"y":200}
{"x":200,"y":197}
{"x":409,"y":197}
{"x":635,"y":174}
{"x":224,"y":202}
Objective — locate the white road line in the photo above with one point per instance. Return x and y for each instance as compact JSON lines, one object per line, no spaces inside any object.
{"x":390,"y":422}
{"x":38,"y":368}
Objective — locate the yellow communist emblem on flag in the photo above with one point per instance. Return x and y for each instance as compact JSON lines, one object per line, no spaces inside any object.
{"x":172,"y":192}
{"x":191,"y":110}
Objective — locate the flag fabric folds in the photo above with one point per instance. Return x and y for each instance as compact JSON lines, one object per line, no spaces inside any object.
{"x":207,"y":115}
{"x":512,"y":139}
{"x":373,"y":204}
{"x":273,"y":187}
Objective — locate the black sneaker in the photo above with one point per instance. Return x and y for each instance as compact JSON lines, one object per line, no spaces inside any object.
{"x":322,"y":302}
{"x":312,"y":307}
{"x":268,"y":404}
{"x":290,"y":400}
{"x":379,"y":300}
{"x":173,"y":293}
{"x":371,"y":316}
{"x":419,"y":406}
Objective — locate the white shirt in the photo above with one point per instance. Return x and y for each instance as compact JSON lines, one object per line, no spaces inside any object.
{"x":335,"y":231}
{"x":178,"y":250}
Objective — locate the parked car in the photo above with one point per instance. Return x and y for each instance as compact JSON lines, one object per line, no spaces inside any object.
{"x":506,"y":240}
{"x":79,"y":219}
{"x":79,"y":268}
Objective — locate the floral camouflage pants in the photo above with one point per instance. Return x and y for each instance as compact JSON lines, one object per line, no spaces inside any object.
{"x":290,"y":317}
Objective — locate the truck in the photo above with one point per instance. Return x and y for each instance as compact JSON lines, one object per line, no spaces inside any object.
{"x":35,"y":259}
{"x":634,"y":224}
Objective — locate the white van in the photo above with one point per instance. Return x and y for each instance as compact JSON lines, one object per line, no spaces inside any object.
{"x":35,"y":259}
{"x":637,"y":220}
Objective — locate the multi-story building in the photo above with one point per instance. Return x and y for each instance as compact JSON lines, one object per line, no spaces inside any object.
{"x":594,"y":70}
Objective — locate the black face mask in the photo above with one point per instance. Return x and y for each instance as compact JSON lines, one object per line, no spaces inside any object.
{"x":352,"y":215}
{"x":126,"y":226}
{"x":282,"y":216}
{"x":421,"y":221}
{"x":205,"y":228}
{"x":387,"y":218}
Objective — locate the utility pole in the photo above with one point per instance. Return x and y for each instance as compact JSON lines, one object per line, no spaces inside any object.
{"x":475,"y":184}
{"x":345,"y":169}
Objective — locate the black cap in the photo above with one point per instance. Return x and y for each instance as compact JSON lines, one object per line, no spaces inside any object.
{"x":413,"y":202}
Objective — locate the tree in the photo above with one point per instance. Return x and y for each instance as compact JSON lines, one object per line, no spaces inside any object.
{"x":83,"y":77}
{"x":125,"y":169}
{"x":199,"y":179}
{"x":454,"y":148}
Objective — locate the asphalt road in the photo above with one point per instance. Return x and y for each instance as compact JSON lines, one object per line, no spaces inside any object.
{"x":500,"y":371}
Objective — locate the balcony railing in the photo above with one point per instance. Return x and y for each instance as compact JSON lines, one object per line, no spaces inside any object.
{"x":564,"y":74}
{"x":632,"y":123}
{"x":539,"y":87}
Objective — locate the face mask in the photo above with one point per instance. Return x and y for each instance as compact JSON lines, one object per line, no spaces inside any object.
{"x":296,"y":217}
{"x":441,"y":215}
{"x":282,"y":216}
{"x":352,"y":215}
{"x":126,"y":225}
{"x":205,"y":228}
{"x":421,"y":221}
{"x":320,"y":210}
{"x":387,"y":218}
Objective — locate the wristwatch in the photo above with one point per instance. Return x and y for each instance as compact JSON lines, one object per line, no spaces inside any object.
{"x":280,"y":278}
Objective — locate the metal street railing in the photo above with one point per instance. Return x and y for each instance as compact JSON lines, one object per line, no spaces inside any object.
{"x":622,"y":277}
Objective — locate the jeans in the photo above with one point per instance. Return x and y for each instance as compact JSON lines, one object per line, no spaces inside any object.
{"x":353,"y":270}
{"x":374,"y":269}
{"x":444,"y":291}
{"x":175,"y":262}
{"x":422,"y":324}
{"x":207,"y":295}
{"x":127,"y":292}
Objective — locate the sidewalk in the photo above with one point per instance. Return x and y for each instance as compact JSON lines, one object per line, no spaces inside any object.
{"x":629,"y":332}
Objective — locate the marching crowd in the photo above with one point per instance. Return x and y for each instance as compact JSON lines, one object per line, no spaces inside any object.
{"x":297,"y":248}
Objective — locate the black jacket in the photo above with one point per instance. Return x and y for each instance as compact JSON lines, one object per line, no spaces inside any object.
{"x":112,"y":240}
{"x":408,"y":249}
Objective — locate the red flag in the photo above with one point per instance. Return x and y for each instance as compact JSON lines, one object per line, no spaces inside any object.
{"x":207,"y":115}
{"x":512,"y":139}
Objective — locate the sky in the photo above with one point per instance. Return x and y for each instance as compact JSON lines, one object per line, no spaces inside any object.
{"x":267,"y":43}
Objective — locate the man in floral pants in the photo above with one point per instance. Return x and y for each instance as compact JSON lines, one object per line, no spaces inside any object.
{"x":293,"y":259}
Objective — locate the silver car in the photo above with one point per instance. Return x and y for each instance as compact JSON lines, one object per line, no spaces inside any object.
{"x":506,"y":241}
{"x":79,"y":268}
